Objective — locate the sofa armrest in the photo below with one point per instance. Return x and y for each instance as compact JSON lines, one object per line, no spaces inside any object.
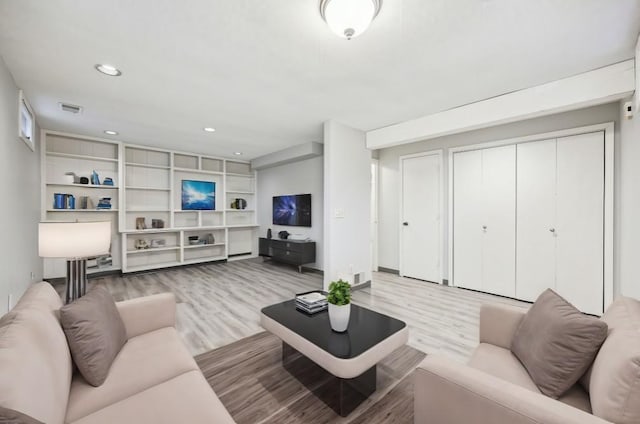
{"x":144,"y":314}
{"x":448,"y":392}
{"x":498,"y":324}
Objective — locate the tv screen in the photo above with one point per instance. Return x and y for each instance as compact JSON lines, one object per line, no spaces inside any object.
{"x":198,"y":195}
{"x":294,"y":210}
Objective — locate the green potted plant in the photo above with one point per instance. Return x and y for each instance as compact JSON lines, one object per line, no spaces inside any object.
{"x":339,"y":299}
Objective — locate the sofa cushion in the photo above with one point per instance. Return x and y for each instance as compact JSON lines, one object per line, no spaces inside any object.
{"x":187,"y":398}
{"x":95,"y":333}
{"x":501,"y":363}
{"x":9,"y":416}
{"x":42,"y":296}
{"x":577,"y":397}
{"x":557,"y":343}
{"x":35,"y":364}
{"x":614,"y":384}
{"x":143,"y":362}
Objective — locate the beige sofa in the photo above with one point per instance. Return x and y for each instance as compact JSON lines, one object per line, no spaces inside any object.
{"x":153,"y":379}
{"x":494,"y":387}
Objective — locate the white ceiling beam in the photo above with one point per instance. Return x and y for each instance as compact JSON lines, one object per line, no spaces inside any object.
{"x":289,"y":155}
{"x":591,"y":88}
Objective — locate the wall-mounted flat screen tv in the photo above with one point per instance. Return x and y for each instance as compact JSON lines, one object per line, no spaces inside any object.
{"x":294,"y":210}
{"x":198,"y":195}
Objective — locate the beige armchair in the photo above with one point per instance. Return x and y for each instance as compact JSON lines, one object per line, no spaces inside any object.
{"x":494,"y":387}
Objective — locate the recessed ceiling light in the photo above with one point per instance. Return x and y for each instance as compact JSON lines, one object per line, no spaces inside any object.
{"x":112,"y":71}
{"x":237,"y":153}
{"x":209,"y":129}
{"x":111,"y":132}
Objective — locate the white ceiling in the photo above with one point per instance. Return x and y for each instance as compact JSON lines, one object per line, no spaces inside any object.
{"x":266,"y":74}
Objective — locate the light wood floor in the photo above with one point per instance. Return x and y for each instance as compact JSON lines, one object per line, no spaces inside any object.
{"x":220,"y":303}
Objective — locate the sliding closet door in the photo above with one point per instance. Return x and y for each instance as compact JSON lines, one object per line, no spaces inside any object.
{"x":536,"y":217}
{"x":467,"y":223}
{"x":499,"y":220}
{"x":580,"y":220}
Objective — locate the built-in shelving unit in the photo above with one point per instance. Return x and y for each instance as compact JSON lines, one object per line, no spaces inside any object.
{"x":63,"y":153}
{"x":153,"y":181}
{"x":148,"y":185}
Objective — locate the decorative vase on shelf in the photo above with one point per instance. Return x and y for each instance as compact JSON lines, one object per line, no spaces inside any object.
{"x":339,"y":299}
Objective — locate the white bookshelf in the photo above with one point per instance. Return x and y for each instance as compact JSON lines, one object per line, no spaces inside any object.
{"x":152,"y":189}
{"x":148,"y":183}
{"x":62,"y":153}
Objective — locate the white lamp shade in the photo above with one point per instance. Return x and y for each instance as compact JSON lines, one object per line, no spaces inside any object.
{"x":74,"y":239}
{"x":349,"y":18}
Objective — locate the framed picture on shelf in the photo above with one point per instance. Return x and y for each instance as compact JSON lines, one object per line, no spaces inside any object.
{"x":198,"y":195}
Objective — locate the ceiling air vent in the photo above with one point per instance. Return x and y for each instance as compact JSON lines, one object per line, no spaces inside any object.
{"x":68,"y":107}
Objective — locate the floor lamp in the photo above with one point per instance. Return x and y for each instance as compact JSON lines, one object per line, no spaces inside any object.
{"x":75,"y":242}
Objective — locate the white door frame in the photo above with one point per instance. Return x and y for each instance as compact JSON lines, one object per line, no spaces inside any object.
{"x":608,"y":128}
{"x":375,"y":202}
{"x":439,"y":153}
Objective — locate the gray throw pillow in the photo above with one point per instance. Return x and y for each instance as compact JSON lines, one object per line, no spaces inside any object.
{"x":95,"y":333}
{"x":556,"y":343}
{"x":9,"y":416}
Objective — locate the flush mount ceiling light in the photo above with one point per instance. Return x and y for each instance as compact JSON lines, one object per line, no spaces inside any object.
{"x":209,"y":129}
{"x":237,"y":153}
{"x":111,"y":132}
{"x":112,"y":71}
{"x":349,"y":18}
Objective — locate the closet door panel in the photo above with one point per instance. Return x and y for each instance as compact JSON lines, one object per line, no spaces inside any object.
{"x":535,"y":217}
{"x":580,"y":221}
{"x":467,"y":227}
{"x":499,"y":220}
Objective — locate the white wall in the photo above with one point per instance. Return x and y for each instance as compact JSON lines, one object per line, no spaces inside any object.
{"x":301,"y":177}
{"x":390,"y":181}
{"x":627,"y":225}
{"x":347,"y":188}
{"x":20,"y":182}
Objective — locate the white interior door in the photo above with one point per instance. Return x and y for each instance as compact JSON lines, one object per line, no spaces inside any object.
{"x":499,"y":220}
{"x":580,"y":221}
{"x":536,"y":217}
{"x":467,"y":222}
{"x":421,"y":247}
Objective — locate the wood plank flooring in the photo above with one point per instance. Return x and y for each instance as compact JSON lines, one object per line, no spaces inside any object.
{"x":251,"y":382}
{"x":220,"y":303}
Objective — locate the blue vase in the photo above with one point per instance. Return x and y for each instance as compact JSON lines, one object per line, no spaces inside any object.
{"x":59,"y":201}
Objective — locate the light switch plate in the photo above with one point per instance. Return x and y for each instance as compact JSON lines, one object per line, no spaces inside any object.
{"x":338,"y":213}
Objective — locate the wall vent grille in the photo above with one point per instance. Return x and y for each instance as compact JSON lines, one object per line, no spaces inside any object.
{"x":68,"y":107}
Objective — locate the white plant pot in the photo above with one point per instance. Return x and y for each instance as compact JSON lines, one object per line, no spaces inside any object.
{"x":339,"y":317}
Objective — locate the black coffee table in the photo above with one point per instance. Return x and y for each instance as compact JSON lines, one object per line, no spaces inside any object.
{"x":349,"y":358}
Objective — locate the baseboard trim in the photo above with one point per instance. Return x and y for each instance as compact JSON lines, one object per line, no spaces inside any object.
{"x":388,"y":270}
{"x":312,"y":270}
{"x":361,"y":286}
{"x":63,"y":280}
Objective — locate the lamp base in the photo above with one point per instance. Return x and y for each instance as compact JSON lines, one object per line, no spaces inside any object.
{"x":76,"y":279}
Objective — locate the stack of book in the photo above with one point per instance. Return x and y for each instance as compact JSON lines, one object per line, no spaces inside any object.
{"x":311,"y":303}
{"x":104,"y":203}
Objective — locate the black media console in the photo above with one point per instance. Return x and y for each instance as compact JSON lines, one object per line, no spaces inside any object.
{"x":294,"y":252}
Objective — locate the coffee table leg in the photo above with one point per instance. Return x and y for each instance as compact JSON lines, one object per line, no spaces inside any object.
{"x":343,"y":395}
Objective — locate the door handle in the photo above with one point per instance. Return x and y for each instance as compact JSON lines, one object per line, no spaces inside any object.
{"x":406,"y":224}
{"x":484,"y":228}
{"x":553,"y":230}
